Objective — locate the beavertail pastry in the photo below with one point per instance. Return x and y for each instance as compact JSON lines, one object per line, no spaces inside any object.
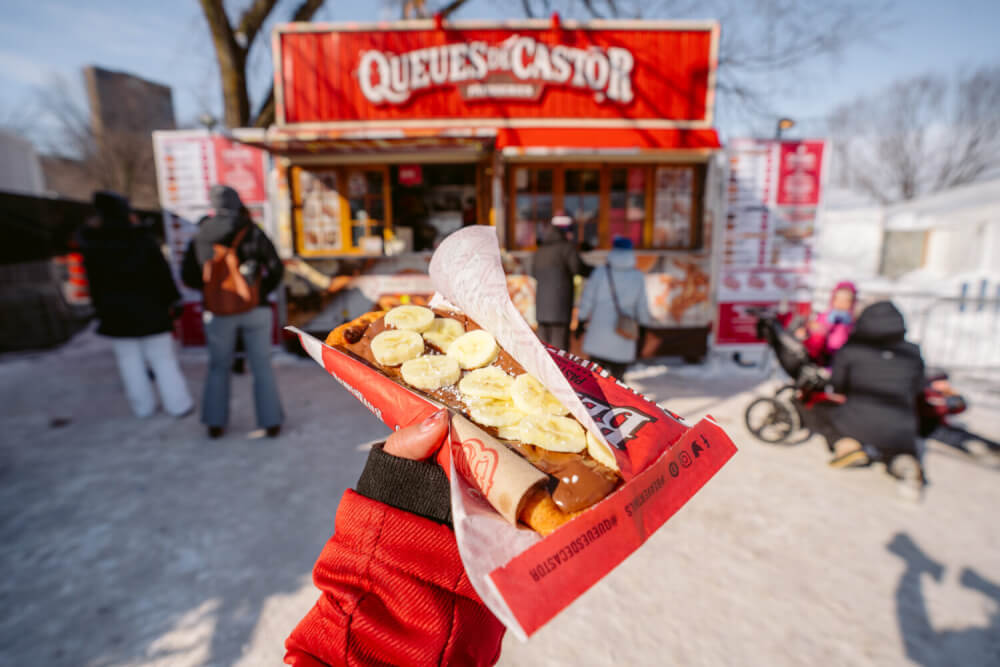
{"x":449,"y":358}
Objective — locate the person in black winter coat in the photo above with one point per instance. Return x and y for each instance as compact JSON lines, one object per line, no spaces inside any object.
{"x":257,"y":259}
{"x":554,"y":265}
{"x":133,"y":294}
{"x":881,"y":375}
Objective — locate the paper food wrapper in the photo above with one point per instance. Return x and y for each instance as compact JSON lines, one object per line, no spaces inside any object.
{"x":524,"y":579}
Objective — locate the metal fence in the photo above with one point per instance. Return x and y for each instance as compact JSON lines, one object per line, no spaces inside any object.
{"x":959,"y":333}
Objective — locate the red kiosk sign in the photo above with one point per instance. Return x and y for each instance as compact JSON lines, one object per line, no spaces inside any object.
{"x":530,"y":73}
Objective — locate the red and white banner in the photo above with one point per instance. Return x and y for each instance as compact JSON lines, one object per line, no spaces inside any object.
{"x":516,"y":72}
{"x":799,"y":170}
{"x":767,"y":245}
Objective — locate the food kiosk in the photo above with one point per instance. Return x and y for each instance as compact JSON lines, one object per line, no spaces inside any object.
{"x":390,"y":136}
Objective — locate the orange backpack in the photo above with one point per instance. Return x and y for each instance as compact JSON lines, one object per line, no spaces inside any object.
{"x":227,"y":291}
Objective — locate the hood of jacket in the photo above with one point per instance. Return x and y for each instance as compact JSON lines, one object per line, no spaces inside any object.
{"x":552,"y":235}
{"x":218,"y":229}
{"x":621,"y":259}
{"x":113,"y":210}
{"x":115,"y":242}
{"x":879,"y":323}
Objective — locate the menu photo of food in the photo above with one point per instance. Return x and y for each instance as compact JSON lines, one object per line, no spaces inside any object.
{"x":795,"y":223}
{"x":320,"y":210}
{"x":672,"y":208}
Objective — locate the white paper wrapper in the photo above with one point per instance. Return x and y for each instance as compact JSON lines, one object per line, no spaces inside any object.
{"x":470,"y":257}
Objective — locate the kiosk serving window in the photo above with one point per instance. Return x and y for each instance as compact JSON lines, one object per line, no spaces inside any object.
{"x":340,"y":211}
{"x":533,"y":204}
{"x":627,"y":203}
{"x":366,"y":201}
{"x":582,"y":202}
{"x":318,"y":214}
{"x":656,"y":206}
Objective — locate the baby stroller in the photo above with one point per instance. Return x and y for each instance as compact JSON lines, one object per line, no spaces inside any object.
{"x":788,"y":417}
{"x":790,"y":412}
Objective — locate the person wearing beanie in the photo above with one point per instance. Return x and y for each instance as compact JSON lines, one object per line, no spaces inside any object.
{"x":614,"y":290}
{"x":554,"y":266}
{"x":134,"y":296}
{"x":230,"y":229}
{"x":830,"y":330}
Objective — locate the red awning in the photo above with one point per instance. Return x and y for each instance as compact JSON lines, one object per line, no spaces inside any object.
{"x":558,"y":140}
{"x":332,"y":140}
{"x":530,"y":141}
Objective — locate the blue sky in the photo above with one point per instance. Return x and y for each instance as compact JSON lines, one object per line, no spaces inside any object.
{"x":168,"y":42}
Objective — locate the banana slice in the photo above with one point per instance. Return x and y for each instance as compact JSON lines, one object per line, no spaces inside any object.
{"x":510,"y":432}
{"x":599,"y":452}
{"x":530,"y":396}
{"x":410,"y":318}
{"x":443,"y":332}
{"x":491,"y":412}
{"x":556,"y":434}
{"x":474,"y":350}
{"x":430,"y":372}
{"x":488,"y":382}
{"x":394,"y":346}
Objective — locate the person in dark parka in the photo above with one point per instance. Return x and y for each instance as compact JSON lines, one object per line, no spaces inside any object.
{"x":133,"y":294}
{"x":554,"y":265}
{"x":881,"y":375}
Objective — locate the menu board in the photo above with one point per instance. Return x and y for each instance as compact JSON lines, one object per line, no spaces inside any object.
{"x":767,"y":246}
{"x":321,"y":211}
{"x":672,"y":214}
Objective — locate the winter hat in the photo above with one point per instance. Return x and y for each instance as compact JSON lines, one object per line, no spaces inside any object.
{"x":846,"y":285}
{"x":560,"y":219}
{"x":622,"y":243}
{"x":113,"y":209}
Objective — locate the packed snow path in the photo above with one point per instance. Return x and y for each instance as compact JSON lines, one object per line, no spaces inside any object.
{"x":141,"y":542}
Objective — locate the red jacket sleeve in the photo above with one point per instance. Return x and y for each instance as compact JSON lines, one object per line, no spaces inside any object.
{"x":393,"y":591}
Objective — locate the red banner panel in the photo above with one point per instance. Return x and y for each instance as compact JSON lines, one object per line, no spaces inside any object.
{"x":799,"y":172}
{"x":640,"y":71}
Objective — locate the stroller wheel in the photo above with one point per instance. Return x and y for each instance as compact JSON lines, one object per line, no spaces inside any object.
{"x":769,"y":420}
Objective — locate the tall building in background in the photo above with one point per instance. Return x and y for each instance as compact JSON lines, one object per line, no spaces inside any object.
{"x":124,"y":110}
{"x":123,"y":102}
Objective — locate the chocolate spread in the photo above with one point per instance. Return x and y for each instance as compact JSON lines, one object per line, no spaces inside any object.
{"x":577,"y":480}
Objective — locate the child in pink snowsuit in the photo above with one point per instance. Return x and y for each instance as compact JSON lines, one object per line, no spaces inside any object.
{"x":830,"y":330}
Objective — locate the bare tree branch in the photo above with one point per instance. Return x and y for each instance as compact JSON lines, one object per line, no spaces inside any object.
{"x":232,"y":60}
{"x":265,"y":115}
{"x":119,"y":159}
{"x":253,"y":19}
{"x":451,"y":8}
{"x":920,"y":135}
{"x":589,"y":5}
{"x":306,"y":10}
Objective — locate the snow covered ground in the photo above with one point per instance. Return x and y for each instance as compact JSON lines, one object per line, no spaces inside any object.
{"x":141,"y":542}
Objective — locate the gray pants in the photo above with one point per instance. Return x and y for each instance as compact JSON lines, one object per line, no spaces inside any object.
{"x":555,"y":334}
{"x":220,"y":334}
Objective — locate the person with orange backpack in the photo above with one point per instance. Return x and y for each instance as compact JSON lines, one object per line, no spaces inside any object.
{"x":235,"y":266}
